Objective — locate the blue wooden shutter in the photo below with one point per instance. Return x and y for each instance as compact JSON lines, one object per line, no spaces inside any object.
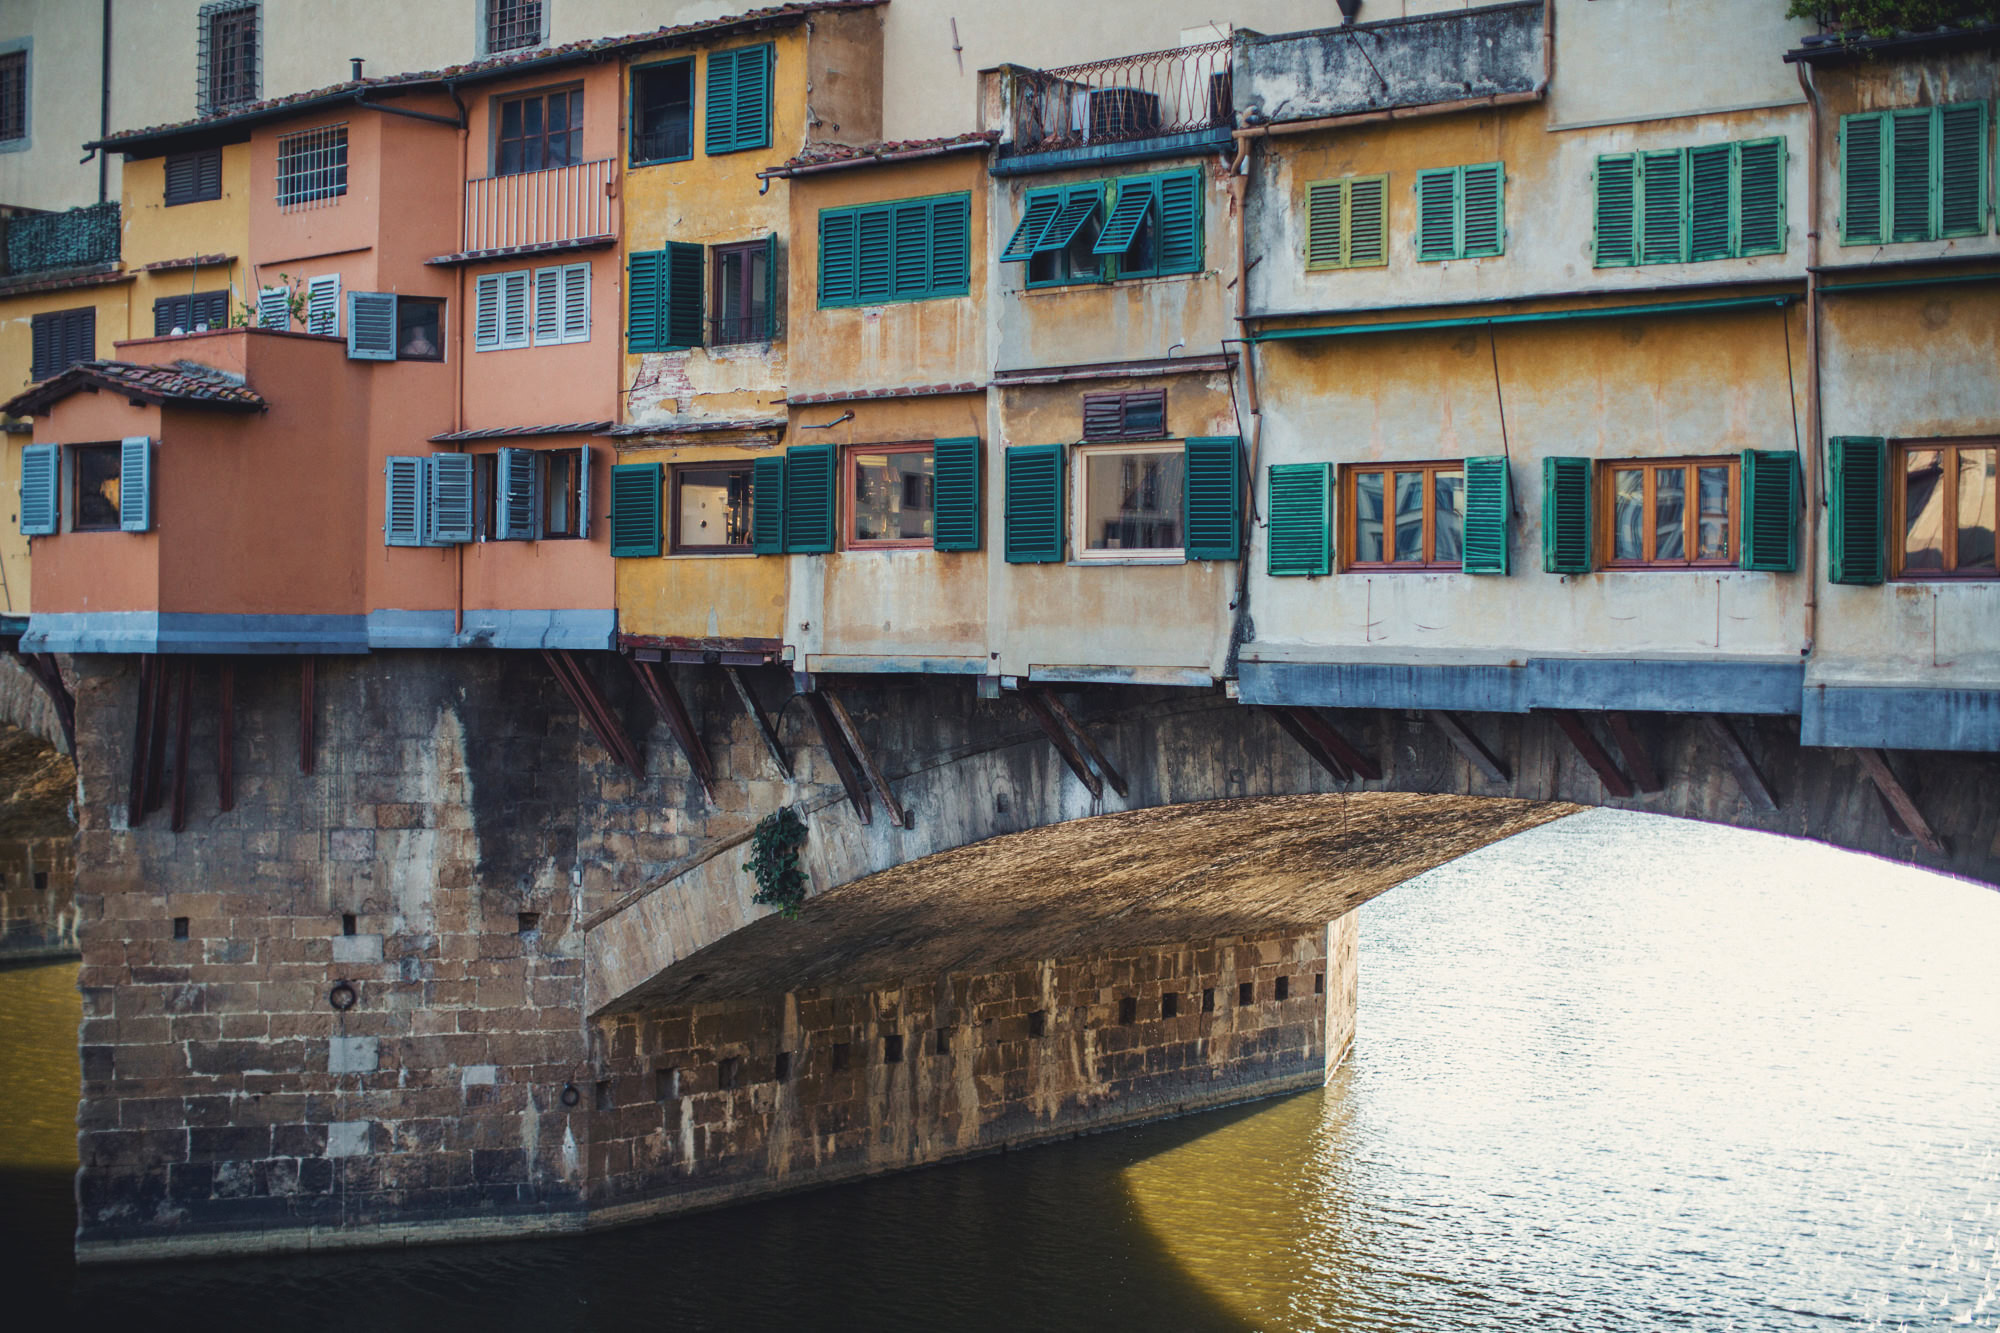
{"x":955,"y":463}
{"x":1862,"y":161}
{"x":874,"y":255}
{"x":1760,"y":197}
{"x":1034,"y":522}
{"x":1482,"y":195}
{"x":1212,"y":497}
{"x":810,"y":470}
{"x":1489,"y":509}
{"x":371,"y":326}
{"x":1770,"y":510}
{"x":645,"y":303}
{"x":767,"y":505}
{"x":1037,"y":212}
{"x":951,"y":246}
{"x":1709,"y":176}
{"x":635,"y":509}
{"x":1962,"y":169}
{"x":41,"y":489}
{"x":518,"y":506}
{"x":403,"y":501}
{"x":1299,"y":532}
{"x":1663,"y":207}
{"x":685,"y":296}
{"x":1180,"y":223}
{"x":720,"y":136}
{"x":1437,"y":214}
{"x":836,"y":257}
{"x":1566,"y":515}
{"x":1617,"y":210}
{"x":1857,"y":504}
{"x":449,"y":520}
{"x":274,"y":307}
{"x":585,"y":463}
{"x":135,"y":484}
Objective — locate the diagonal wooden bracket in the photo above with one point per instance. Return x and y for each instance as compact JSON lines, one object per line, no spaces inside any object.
{"x":1484,"y":761}
{"x":1741,"y":766}
{"x":1045,"y":718}
{"x":1315,"y":725}
{"x":593,"y":707}
{"x":1593,"y":754}
{"x":1902,"y":809}
{"x":1314,"y":750}
{"x":142,"y":742}
{"x":852,"y":735}
{"x":756,"y":711}
{"x":667,"y":702}
{"x":1111,"y":776}
{"x":1644,"y":776}
{"x":836,"y":749}
{"x":42,"y":667}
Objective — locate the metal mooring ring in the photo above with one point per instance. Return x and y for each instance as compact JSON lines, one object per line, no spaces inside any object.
{"x":342,"y":996}
{"x":570,"y":1096}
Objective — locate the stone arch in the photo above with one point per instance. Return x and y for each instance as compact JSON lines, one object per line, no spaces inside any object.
{"x":26,"y":700}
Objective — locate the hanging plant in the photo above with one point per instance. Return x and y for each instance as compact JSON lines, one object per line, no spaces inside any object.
{"x":774,"y":860}
{"x":1885,"y":18}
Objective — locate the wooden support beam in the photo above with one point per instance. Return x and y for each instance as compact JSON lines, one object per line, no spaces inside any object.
{"x":756,"y":711}
{"x":225,"y":736}
{"x":592,"y":708}
{"x":1314,"y":750}
{"x":1335,"y":744}
{"x":182,"y":732}
{"x":1644,"y":776}
{"x":836,"y":749}
{"x":852,"y":735}
{"x":667,"y":702}
{"x":1038,"y":709}
{"x":1593,"y":754}
{"x":1070,"y":720}
{"x":1741,"y":766}
{"x":1483,"y":760}
{"x":1875,"y":763}
{"x":142,"y":743}
{"x":42,"y":666}
{"x":308,"y":674}
{"x":156,"y":757}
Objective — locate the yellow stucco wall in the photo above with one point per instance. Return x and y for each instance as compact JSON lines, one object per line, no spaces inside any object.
{"x":13,"y":546}
{"x":699,"y":597}
{"x":155,"y":232}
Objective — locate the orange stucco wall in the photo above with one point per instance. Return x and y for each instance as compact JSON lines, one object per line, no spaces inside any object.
{"x":95,"y":571}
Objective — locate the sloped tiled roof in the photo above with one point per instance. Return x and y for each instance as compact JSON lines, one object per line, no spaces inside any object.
{"x":594,"y":48}
{"x":829,"y":156}
{"x":516,"y":432}
{"x":185,"y":384}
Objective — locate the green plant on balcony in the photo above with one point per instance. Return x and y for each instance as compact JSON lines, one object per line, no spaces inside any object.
{"x":774,"y":860}
{"x":246,"y":314}
{"x":1886,"y":18}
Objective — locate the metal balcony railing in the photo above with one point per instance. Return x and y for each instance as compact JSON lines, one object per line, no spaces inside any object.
{"x":539,"y":207}
{"x":1132,"y":97}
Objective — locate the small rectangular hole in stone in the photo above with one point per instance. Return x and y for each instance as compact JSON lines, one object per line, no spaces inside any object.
{"x":892,"y":1048}
{"x":667,"y":1084}
{"x":604,"y":1094}
{"x":1128,"y":1009}
{"x":1170,"y":1005}
{"x":1038,"y":1023}
{"x":782,"y":1070}
{"x":41,"y":880}
{"x":1208,"y":999}
{"x":180,"y":927}
{"x":1284,"y":988}
{"x":528,"y":922}
{"x":347,"y":923}
{"x":1246,"y":993}
{"x":944,"y":1041}
{"x":841,"y":1052}
{"x":727,"y":1071}
{"x":1319,"y":983}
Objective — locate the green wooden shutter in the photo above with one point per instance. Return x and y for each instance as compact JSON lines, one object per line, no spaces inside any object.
{"x":403,"y":502}
{"x":685,"y":296}
{"x":448,"y":518}
{"x":1489,"y":508}
{"x":645,"y":303}
{"x":911,"y":266}
{"x":371,"y":326}
{"x":951,"y":246}
{"x":1326,"y":225}
{"x":874,"y":255}
{"x":1663,"y":207}
{"x":767,"y":505}
{"x":1437,"y":214}
{"x":1135,"y":201}
{"x":1709,"y":176}
{"x":1862,"y":161}
{"x":1299,"y":531}
{"x":720,"y":134}
{"x":836,"y":257}
{"x":1034,"y":521}
{"x":1368,"y":222}
{"x":1962,"y":169}
{"x":751,"y":102}
{"x":635,"y":509}
{"x":1080,"y":204}
{"x":41,"y":489}
{"x":1910,"y":175}
{"x":1038,"y":210}
{"x":810,"y":470}
{"x":957,"y":477}
{"x":1482,"y":196}
{"x":1857,"y":503}
{"x":1179,"y":236}
{"x":1566,"y":515}
{"x":1770,"y":510}
{"x":135,"y":483}
{"x":1760,"y":197}
{"x":1212,"y":498}
{"x":1617,"y":211}
{"x":772,"y":292}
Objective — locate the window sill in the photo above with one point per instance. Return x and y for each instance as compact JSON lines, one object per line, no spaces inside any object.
{"x":1092,"y":562}
{"x":1055,"y":288}
{"x":711,"y":555}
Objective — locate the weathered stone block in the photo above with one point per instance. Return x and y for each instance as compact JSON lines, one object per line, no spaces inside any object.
{"x":353,"y":1055}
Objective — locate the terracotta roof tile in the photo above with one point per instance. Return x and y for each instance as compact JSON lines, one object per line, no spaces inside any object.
{"x":183,"y":385}
{"x":825,"y":157}
{"x":518,"y":432}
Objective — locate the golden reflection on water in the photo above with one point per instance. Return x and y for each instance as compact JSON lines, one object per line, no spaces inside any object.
{"x":38,"y":1056}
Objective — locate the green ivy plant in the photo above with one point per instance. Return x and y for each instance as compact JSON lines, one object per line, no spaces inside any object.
{"x":774,"y":860}
{"x":1885,"y":18}
{"x":246,"y":313}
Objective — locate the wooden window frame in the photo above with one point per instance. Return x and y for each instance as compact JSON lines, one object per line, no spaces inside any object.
{"x":544,"y":96}
{"x":75,"y":487}
{"x":640,"y":72}
{"x":1606,"y":536}
{"x":850,"y":471}
{"x":1899,"y":450}
{"x":1350,"y":531}
{"x":675,"y":546}
{"x":1125,"y":400}
{"x":746,"y":330}
{"x":407,"y":302}
{"x":1081,"y":551}
{"x":14,"y":97}
{"x":63,"y":322}
{"x":197,"y":162}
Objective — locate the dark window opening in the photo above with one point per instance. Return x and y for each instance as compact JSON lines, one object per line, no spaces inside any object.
{"x":1208,"y":999}
{"x":485,"y":485}
{"x":944,"y":1041}
{"x":512,"y":25}
{"x":1319,"y":983}
{"x":1075,"y":262}
{"x":1284,"y":988}
{"x":892,"y":1049}
{"x":663,"y":113}
{"x":41,"y":880}
{"x":539,"y":132}
{"x":603,"y":1100}
{"x":1038,"y":1023}
{"x":559,"y":492}
{"x":180,"y":927}
{"x":13,"y":96}
{"x":312,"y":165}
{"x":666,"y":1084}
{"x":1246,"y":993}
{"x":347,"y":923}
{"x":1170,"y":1005}
{"x":61,"y":339}
{"x":192,"y":313}
{"x":1125,"y":416}
{"x":841,"y":1052}
{"x":228,"y":55}
{"x":98,"y":468}
{"x":1943,"y":497}
{"x":728,"y":1071}
{"x":893,"y":495}
{"x":1128,"y":1009}
{"x":419,"y":329}
{"x":193,"y":177}
{"x":781,"y":1068}
{"x":741,"y":298}
{"x":527,"y":923}
{"x":711,"y":508}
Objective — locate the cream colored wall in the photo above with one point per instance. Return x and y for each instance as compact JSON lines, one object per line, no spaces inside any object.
{"x":1622,"y":60}
{"x":63,"y":87}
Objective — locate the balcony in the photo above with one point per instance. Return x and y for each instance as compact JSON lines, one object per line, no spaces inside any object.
{"x":561,"y":208}
{"x":1127,"y":100}
{"x":81,"y":238}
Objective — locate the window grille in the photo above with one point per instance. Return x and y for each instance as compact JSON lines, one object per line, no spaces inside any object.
{"x":312,"y":167}
{"x":13,"y":96}
{"x":229,"y":67}
{"x":512,"y":25}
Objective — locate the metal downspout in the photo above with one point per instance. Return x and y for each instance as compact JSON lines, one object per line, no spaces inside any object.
{"x":1812,"y":432}
{"x":458,"y":362}
{"x":1239,"y":189}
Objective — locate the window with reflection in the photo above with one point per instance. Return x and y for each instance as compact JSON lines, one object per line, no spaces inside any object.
{"x":1130,"y":500}
{"x":98,"y":482}
{"x":1406,"y":516}
{"x":1670,"y":514}
{"x":891,"y":495}
{"x":711,"y":508}
{"x":1945,"y":499}
{"x":545,"y":130}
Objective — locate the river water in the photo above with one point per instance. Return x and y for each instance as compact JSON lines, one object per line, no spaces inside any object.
{"x":1619,"y":1072}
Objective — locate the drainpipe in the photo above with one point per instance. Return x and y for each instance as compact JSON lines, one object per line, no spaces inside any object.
{"x":458,"y":362}
{"x":104,"y":109}
{"x":1812,"y":431}
{"x":1239,"y":189}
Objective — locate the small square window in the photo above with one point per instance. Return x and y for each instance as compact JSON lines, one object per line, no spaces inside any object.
{"x":98,"y":483}
{"x":1208,"y":999}
{"x":419,"y":329}
{"x":1128,"y":1010}
{"x":1410,"y":516}
{"x":1670,"y":514}
{"x":943,"y":1041}
{"x":1246,"y":993}
{"x":711,"y":512}
{"x":781,"y":1068}
{"x":891,"y":494}
{"x":1944,"y":502}
{"x":347,"y":923}
{"x":527,"y":923}
{"x":513,"y":25}
{"x":728,"y":1071}
{"x":842,"y":1055}
{"x":193,"y":178}
{"x":312,"y":166}
{"x":892,"y":1049}
{"x":229,"y":54}
{"x":1131,"y":501}
{"x":1283,"y":990}
{"x":180,"y":927}
{"x":1038,"y":1023}
{"x":666,"y":1083}
{"x":1319,"y":983}
{"x":539,"y":132}
{"x":663,"y":112}
{"x":1125,"y":416}
{"x":1170,"y":1005}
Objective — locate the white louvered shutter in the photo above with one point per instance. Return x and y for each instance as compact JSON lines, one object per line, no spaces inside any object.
{"x":403,"y":502}
{"x":514,"y":308}
{"x":450,"y":518}
{"x":274,"y":308}
{"x":486,"y":312}
{"x":548,"y":306}
{"x":323,"y":304}
{"x":135,"y":484}
{"x":576,"y":303}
